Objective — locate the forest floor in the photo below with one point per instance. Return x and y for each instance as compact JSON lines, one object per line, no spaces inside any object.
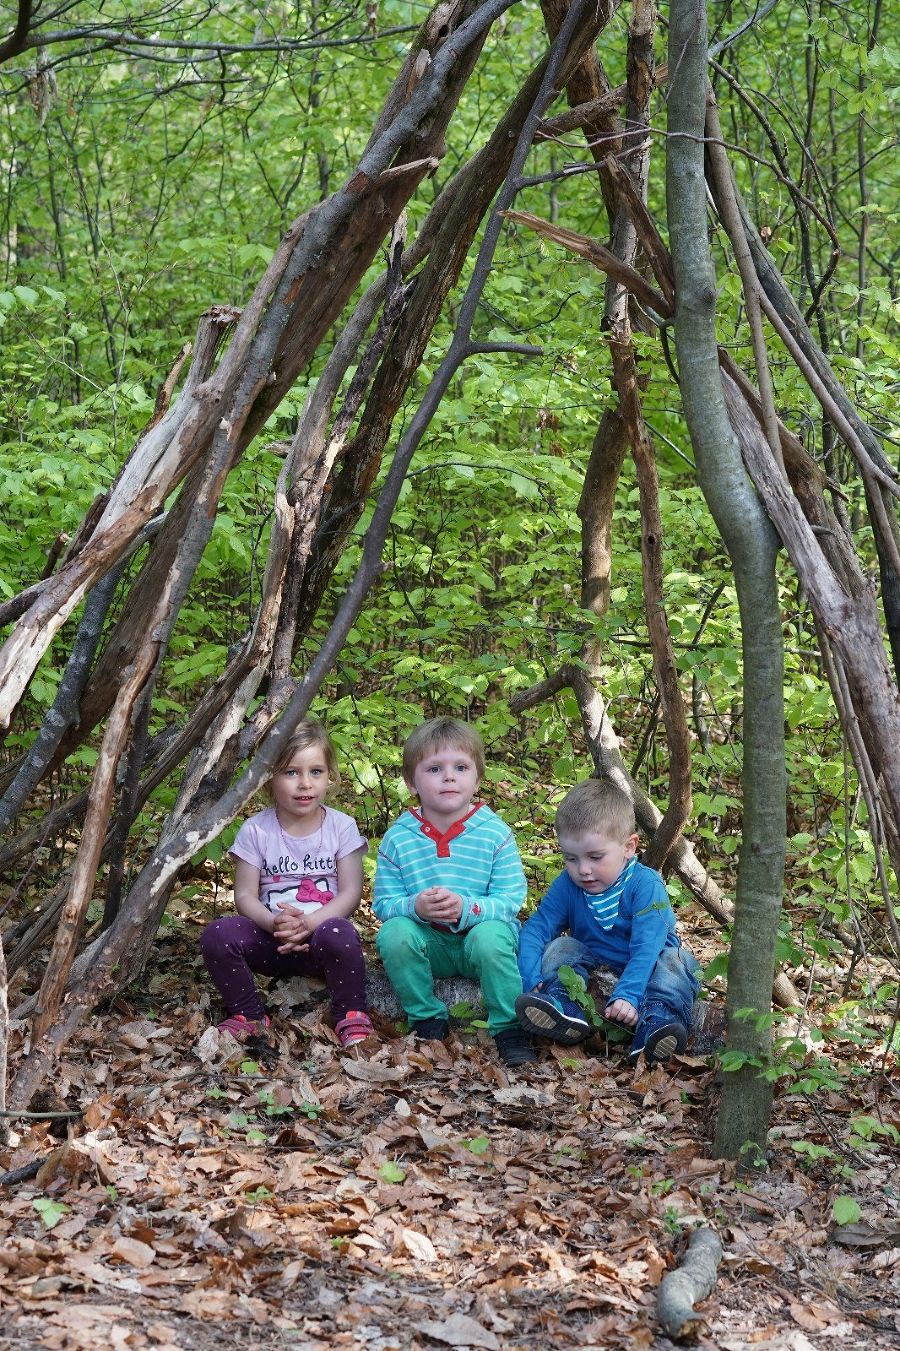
{"x":399,"y":1196}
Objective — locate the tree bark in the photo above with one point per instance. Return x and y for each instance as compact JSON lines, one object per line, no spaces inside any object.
{"x":753,"y":546}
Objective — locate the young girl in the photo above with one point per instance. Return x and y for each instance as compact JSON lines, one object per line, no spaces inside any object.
{"x":298,"y":878}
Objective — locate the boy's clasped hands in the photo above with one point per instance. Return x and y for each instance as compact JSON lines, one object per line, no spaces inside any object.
{"x":439,"y":905}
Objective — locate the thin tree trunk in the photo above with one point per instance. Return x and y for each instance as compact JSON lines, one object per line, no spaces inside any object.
{"x":753,"y":547}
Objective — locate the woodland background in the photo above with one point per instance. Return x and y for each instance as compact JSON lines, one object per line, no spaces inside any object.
{"x":151,"y":163}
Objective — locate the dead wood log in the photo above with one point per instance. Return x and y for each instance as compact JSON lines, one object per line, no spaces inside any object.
{"x":409,"y":324}
{"x":64,"y":710}
{"x":123,"y":947}
{"x":595,"y":511}
{"x":860,"y":437}
{"x":678,"y":740}
{"x":313,"y":273}
{"x":134,"y":500}
{"x":690,"y":1283}
{"x":631,"y":199}
{"x":85,"y":867}
{"x":628,"y":217}
{"x":215,"y":699}
{"x":850,"y":621}
{"x":705,"y":1032}
{"x":628,"y":383}
{"x":588,"y":84}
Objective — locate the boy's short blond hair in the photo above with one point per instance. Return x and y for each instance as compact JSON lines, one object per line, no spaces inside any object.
{"x":433,"y":735}
{"x":596,"y":806}
{"x":310,"y":732}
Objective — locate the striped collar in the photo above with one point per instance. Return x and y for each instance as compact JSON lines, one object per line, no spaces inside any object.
{"x":604,"y":905}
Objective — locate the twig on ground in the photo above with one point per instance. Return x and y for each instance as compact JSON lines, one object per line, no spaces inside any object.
{"x":23,"y":1174}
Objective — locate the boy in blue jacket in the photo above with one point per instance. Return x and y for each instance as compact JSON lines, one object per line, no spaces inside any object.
{"x":616,"y":913}
{"x":448,"y":887}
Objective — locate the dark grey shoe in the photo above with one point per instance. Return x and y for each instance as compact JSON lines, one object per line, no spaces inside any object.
{"x":662,"y":1041}
{"x":556,"y":1019}
{"x":430,"y":1029}
{"x":515,"y":1048}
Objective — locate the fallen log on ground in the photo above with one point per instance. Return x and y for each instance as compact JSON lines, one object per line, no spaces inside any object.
{"x":707,"y":1025}
{"x":681,"y":1289}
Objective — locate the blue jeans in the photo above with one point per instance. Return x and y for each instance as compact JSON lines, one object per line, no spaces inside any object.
{"x":671,"y":990}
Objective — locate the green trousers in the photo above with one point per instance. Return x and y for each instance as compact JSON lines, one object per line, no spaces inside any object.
{"x":416,"y":955}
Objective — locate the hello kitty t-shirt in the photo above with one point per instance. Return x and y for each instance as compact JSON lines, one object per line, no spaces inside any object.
{"x":300,"y":871}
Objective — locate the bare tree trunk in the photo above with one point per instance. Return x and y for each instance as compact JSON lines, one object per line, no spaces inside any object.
{"x":753,"y":547}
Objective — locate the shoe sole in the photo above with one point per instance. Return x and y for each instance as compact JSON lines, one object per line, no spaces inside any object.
{"x":658,"y":1049}
{"x":546,"y":1023}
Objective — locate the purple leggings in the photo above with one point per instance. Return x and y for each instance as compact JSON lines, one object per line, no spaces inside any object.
{"x":234,"y":947}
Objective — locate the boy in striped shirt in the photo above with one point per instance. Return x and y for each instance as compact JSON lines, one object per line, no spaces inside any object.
{"x":448,"y":887}
{"x":615,"y":913}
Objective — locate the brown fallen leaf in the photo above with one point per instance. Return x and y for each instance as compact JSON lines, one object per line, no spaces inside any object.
{"x":865,"y":1235}
{"x":373,"y":1072}
{"x":459,"y":1330}
{"x":418,"y":1245}
{"x":133,"y":1251}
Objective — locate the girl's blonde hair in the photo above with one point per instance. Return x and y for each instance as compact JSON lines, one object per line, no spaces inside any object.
{"x":310,"y":732}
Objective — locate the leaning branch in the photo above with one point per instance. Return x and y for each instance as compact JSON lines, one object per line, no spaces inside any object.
{"x":150,"y":891}
{"x":598,"y":256}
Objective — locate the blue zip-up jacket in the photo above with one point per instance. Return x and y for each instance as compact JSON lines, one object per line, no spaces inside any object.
{"x":480,"y":863}
{"x":644,"y":925}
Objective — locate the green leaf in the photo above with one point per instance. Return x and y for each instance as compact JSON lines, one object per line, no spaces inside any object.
{"x":51,"y":1212}
{"x":391,"y":1172}
{"x":845,"y":1210}
{"x":479,"y":1145}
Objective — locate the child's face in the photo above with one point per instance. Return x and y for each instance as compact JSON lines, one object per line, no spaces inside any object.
{"x":446,"y":781}
{"x":593,"y":860}
{"x":299,"y":789}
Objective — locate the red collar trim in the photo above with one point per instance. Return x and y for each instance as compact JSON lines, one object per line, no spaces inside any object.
{"x":451,"y":833}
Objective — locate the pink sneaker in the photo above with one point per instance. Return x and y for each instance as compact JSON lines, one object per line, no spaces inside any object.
{"x":241,"y":1028}
{"x":354,"y":1026}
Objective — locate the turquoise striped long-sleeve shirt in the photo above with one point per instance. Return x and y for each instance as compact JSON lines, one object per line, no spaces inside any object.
{"x":481,"y":864}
